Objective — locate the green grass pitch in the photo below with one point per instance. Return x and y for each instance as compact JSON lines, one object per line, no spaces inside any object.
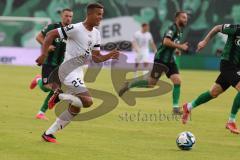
{"x":110,"y":137}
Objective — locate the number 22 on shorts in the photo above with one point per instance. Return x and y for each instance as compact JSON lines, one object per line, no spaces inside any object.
{"x":76,"y":83}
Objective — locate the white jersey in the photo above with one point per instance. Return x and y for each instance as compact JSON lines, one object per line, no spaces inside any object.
{"x":80,"y":41}
{"x":79,"y":46}
{"x":143,"y":40}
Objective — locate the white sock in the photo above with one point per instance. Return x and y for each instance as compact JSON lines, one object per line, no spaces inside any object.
{"x":231,"y":120}
{"x":62,"y":121}
{"x":189,"y":106}
{"x":41,"y":112}
{"x":38,"y":79}
{"x":175,"y":106}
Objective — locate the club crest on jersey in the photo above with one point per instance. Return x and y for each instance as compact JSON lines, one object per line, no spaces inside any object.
{"x":45,"y":80}
{"x":69,"y":27}
{"x":237,"y":42}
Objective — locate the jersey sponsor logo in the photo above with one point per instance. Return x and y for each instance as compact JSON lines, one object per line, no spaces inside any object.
{"x":60,"y":40}
{"x":89,"y":44}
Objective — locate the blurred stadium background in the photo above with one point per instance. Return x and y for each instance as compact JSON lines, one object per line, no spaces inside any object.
{"x":111,"y":136}
{"x":21,"y":20}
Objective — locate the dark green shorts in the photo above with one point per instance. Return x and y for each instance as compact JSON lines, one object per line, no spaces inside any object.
{"x":229,"y":75}
{"x":159,"y":67}
{"x":46,"y":71}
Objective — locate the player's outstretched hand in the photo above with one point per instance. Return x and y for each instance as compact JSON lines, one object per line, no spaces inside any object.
{"x":184,"y":46}
{"x":201,"y":45}
{"x":115,"y":54}
{"x":40,"y":60}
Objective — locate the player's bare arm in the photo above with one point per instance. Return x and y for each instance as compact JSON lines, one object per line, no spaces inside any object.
{"x":40,"y":38}
{"x":168,"y":42}
{"x":46,"y":43}
{"x":98,"y":57}
{"x":202,"y":44}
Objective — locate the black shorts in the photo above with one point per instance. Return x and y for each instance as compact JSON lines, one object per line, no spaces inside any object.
{"x":46,"y":71}
{"x":159,"y":67}
{"x":229,"y":74}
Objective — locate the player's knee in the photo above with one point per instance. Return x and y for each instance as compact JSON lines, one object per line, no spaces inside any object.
{"x":152,"y":82}
{"x":216,"y":90}
{"x":177,"y":81}
{"x":87,"y":102}
{"x":74,"y":109}
{"x":215,"y":93}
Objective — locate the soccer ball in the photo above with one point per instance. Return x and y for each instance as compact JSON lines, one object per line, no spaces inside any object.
{"x":185,"y":140}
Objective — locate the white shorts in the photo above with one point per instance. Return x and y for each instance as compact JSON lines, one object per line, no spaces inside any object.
{"x":73,"y":83}
{"x":142,"y":57}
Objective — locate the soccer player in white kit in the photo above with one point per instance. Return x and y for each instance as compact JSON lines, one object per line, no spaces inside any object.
{"x":83,"y":42}
{"x":142,"y":40}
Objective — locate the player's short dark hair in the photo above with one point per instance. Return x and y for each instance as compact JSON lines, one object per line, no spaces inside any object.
{"x":144,"y":24}
{"x":92,"y":6}
{"x":67,"y":9}
{"x":178,"y":13}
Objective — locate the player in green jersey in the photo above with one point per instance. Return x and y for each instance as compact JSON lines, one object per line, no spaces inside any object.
{"x":164,"y":61}
{"x":54,"y":59}
{"x":229,"y":73}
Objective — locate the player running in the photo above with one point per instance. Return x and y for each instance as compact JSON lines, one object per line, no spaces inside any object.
{"x":83,"y":42}
{"x":165,"y":58}
{"x":140,"y":43}
{"x":229,"y":73}
{"x":55,"y":57}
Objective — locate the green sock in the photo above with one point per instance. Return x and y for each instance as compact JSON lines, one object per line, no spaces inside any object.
{"x":203,"y":98}
{"x":41,"y":86}
{"x":176,"y":94}
{"x":45,"y":103}
{"x":139,"y":83}
{"x":235,"y":107}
